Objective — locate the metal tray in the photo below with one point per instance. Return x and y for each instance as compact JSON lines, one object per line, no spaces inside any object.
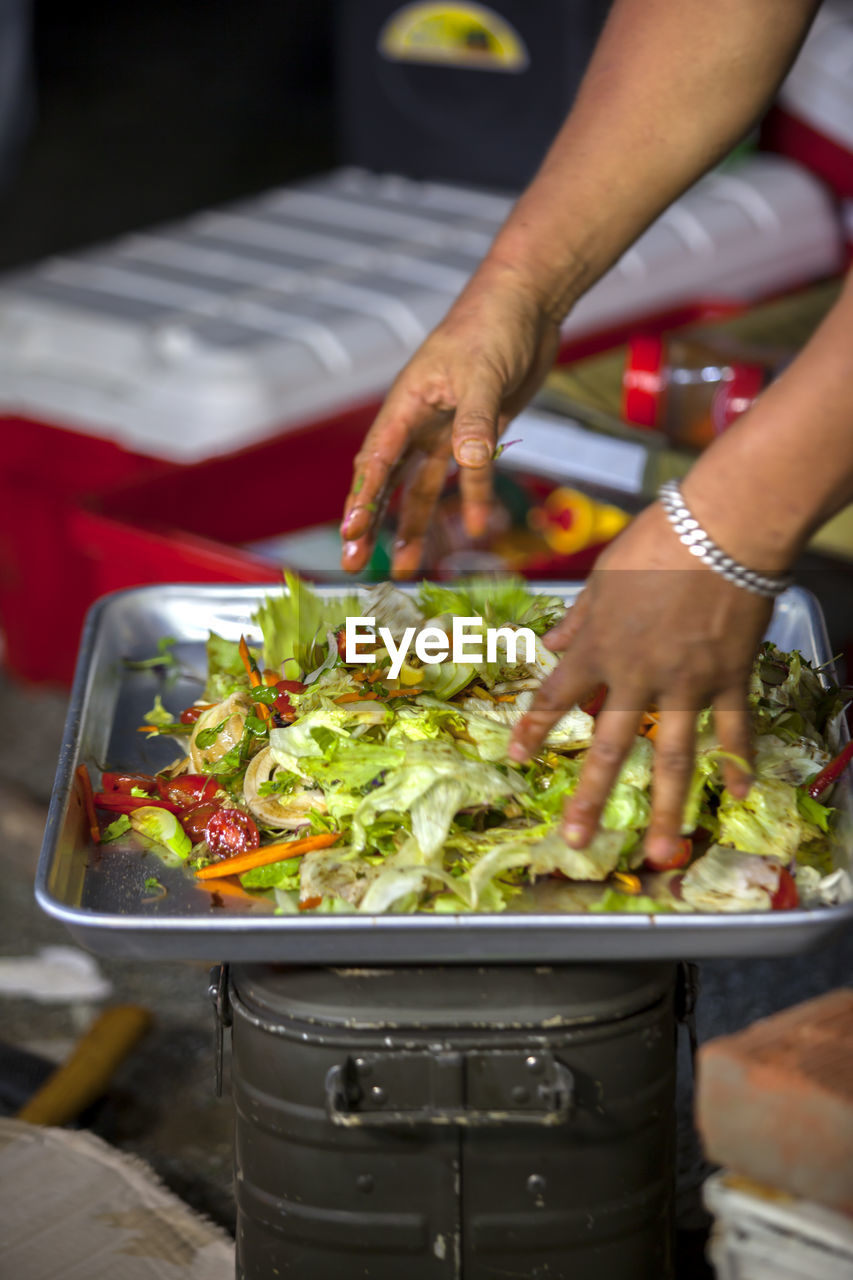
{"x":100,"y":894}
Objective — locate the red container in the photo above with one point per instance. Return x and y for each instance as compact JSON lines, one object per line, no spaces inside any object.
{"x":44,"y":582}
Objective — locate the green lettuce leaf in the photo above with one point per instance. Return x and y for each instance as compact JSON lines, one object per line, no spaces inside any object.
{"x":295,"y":624}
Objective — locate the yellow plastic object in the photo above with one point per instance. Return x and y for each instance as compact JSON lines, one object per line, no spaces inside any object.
{"x":85,"y":1074}
{"x":569,"y":520}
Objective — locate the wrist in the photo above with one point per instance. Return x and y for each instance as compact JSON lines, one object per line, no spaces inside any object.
{"x":751,"y":526}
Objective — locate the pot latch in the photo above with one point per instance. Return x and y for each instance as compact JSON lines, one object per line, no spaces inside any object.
{"x":443,"y":1086}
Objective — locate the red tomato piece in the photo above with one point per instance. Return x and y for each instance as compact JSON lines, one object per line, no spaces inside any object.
{"x":194,"y":821}
{"x":679,"y":858}
{"x":189,"y":715}
{"x":189,"y":790}
{"x":593,"y":704}
{"x":231,"y":831}
{"x":786,"y":897}
{"x":124,"y":783}
{"x":284,"y":688}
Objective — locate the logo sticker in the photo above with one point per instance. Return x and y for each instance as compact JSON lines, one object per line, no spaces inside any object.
{"x":460,"y":35}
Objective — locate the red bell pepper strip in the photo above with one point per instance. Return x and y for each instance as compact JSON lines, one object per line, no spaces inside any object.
{"x":121,"y":803}
{"x":831,"y":772}
{"x":786,"y":896}
{"x":89,"y":802}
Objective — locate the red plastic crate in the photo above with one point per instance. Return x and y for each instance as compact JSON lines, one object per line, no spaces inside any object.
{"x":44,"y":583}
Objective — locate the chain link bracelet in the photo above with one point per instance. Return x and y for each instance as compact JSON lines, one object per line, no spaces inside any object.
{"x":700,"y":544}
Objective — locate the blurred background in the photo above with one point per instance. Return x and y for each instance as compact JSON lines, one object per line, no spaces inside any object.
{"x":223,"y":227}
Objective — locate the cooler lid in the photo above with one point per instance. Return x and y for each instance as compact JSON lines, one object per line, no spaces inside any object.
{"x":497,"y":997}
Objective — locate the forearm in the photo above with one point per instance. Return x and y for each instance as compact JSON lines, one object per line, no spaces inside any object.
{"x":787,"y":465}
{"x":672,"y":85}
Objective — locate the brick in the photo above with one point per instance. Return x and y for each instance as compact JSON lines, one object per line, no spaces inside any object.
{"x":775,"y":1102}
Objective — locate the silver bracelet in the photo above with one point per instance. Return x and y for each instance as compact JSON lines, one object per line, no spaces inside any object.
{"x":699,"y":544}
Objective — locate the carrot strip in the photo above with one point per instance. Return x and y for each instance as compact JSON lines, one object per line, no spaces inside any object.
{"x":367,"y":696}
{"x":268,"y":853}
{"x":505,"y":697}
{"x":401,"y":693}
{"x":254,"y":676}
{"x":229,"y":890}
{"x":89,"y":802}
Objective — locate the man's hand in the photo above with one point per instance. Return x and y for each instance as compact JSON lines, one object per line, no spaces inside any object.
{"x":655,"y":628}
{"x":451,"y":402}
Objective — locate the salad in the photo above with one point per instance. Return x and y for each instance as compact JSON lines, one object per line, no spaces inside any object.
{"x":328,"y":785}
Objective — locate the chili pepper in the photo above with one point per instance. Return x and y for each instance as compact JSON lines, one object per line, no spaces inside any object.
{"x":89,"y":802}
{"x":831,"y":772}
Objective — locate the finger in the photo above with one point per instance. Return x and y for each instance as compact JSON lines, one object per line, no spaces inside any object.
{"x":477,"y":494}
{"x":358,"y":529}
{"x":561,"y":636}
{"x":420,"y":495}
{"x":376,"y":469}
{"x":675,"y":750}
{"x":475,"y":433}
{"x":615,"y":730}
{"x":555,"y":696}
{"x":732,"y":723}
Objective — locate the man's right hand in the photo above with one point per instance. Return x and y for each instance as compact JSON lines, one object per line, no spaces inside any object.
{"x":450,"y":403}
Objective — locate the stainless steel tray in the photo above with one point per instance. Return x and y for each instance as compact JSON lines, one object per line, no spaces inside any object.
{"x":100,"y":895}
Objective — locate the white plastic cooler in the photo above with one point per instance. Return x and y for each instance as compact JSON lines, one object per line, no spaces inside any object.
{"x":205,"y":336}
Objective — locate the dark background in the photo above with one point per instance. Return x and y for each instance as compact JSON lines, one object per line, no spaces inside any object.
{"x":148,"y":111}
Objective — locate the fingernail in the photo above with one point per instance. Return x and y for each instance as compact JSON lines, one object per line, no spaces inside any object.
{"x":474,"y":453}
{"x":575,"y":835}
{"x":516,"y":752}
{"x":350,"y":549}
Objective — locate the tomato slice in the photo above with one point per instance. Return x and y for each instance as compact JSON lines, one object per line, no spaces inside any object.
{"x":189,"y":790}
{"x":593,"y":704}
{"x":118,"y":802}
{"x":194,"y":821}
{"x":680,"y":858}
{"x":231,"y":831}
{"x":189,"y":715}
{"x":124,"y":783}
{"x":786,"y":897}
{"x":283,"y":688}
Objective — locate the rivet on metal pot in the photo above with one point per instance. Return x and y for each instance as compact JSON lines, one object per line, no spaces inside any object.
{"x":365,"y":1182}
{"x":520,"y":1094}
{"x":536,"y":1184}
{"x":533,"y":1064}
{"x":378,"y":1094}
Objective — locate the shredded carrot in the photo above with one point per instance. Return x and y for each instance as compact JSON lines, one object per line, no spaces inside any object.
{"x":148,"y":728}
{"x":367,"y":695}
{"x":651,"y":732}
{"x":254,"y":676}
{"x":271,"y":677}
{"x":268,"y":853}
{"x":626,"y":882}
{"x":401,"y":693}
{"x":379,"y":674}
{"x":308,"y":904}
{"x":228,"y":890}
{"x":358,"y":676}
{"x":505,"y":697}
{"x":89,"y":802}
